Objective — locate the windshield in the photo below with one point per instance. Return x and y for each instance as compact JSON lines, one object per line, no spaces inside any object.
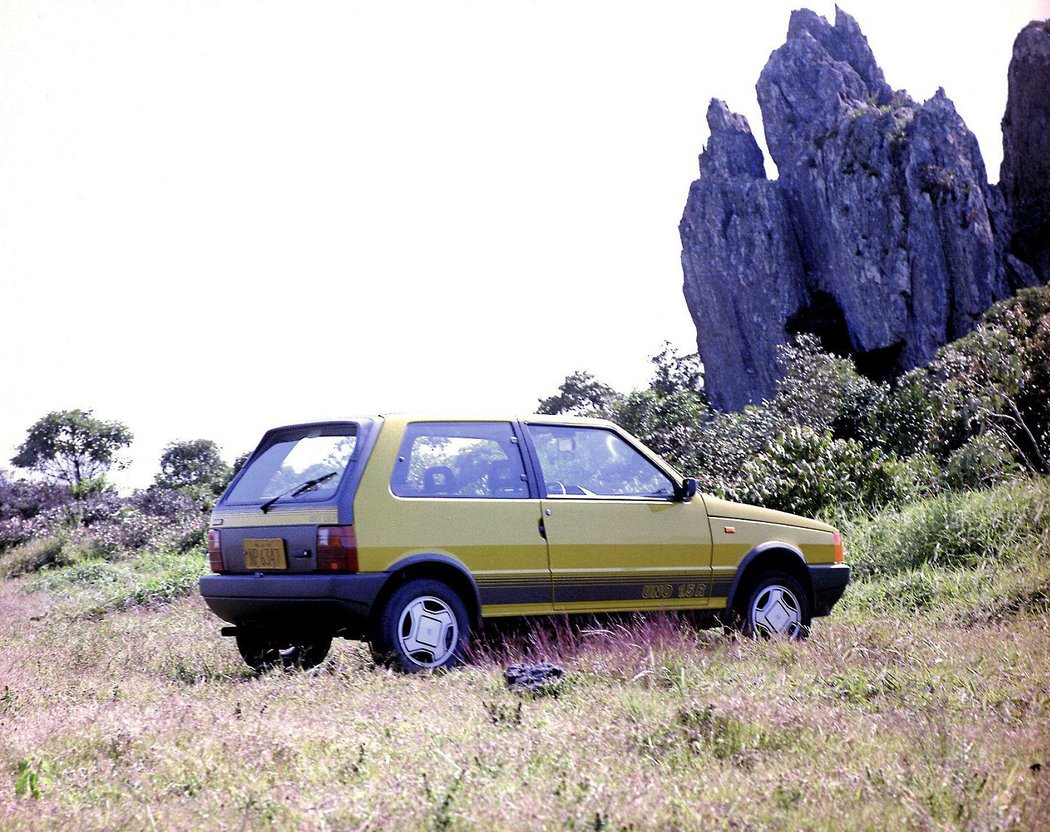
{"x":318,"y":454}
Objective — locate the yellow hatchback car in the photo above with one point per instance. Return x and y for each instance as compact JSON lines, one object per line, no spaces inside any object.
{"x":408,"y":531}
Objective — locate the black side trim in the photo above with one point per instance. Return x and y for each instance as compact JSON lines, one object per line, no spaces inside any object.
{"x":657,"y":587}
{"x":533,"y":592}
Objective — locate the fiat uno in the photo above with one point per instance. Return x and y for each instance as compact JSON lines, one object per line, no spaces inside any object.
{"x":406,"y":532}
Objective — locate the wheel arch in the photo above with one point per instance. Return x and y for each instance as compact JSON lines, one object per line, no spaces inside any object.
{"x":773,"y":555}
{"x":438,"y":567}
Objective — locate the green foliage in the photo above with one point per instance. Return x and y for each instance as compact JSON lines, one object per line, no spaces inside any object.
{"x":996,"y":380}
{"x":676,"y":374}
{"x":34,"y":555}
{"x":664,"y":415}
{"x":32,"y":777}
{"x":953,"y":530}
{"x":812,"y":448}
{"x":984,"y":459}
{"x":151,"y":578}
{"x":196,"y":463}
{"x":581,"y":394}
{"x":832,"y":441}
{"x":806,"y":472}
{"x":87,"y":488}
{"x":238,"y":464}
{"x":822,"y":391}
{"x":72,"y":446}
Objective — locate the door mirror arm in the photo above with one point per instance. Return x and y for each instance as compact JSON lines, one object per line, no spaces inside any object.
{"x":686,"y":490}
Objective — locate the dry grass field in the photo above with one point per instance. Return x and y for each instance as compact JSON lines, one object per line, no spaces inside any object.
{"x":922,"y":703}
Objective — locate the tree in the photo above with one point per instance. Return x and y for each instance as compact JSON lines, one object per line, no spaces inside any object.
{"x":196,"y":462}
{"x":238,"y":464}
{"x":72,"y":446}
{"x":677,"y":373}
{"x":581,"y":394}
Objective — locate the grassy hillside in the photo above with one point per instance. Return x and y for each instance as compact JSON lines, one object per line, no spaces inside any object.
{"x":922,"y":703}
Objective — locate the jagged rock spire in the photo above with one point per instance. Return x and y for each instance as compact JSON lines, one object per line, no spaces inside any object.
{"x":880,"y":234}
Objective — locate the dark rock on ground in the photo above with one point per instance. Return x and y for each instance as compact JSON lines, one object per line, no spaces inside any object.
{"x":882,"y":234}
{"x":1025,"y":173}
{"x":533,"y":677}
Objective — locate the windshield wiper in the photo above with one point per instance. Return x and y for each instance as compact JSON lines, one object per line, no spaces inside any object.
{"x":296,"y":490}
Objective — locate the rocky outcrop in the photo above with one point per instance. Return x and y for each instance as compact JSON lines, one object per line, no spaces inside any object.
{"x":880,"y":234}
{"x":1025,"y":173}
{"x":738,"y":245}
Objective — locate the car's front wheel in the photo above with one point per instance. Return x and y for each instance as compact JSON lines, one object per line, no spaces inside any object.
{"x":423,"y":626}
{"x":776,"y":606}
{"x":261,"y":652}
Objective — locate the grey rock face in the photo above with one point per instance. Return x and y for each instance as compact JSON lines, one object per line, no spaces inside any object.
{"x":737,"y":245}
{"x":880,"y":234}
{"x":1025,"y":172}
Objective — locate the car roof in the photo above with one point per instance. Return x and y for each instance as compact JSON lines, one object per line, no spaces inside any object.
{"x":452,"y":416}
{"x":439,"y":416}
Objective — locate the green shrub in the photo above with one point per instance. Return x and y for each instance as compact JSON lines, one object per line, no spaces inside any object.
{"x":34,"y":555}
{"x":102,"y":585}
{"x":969,"y":530}
{"x":806,"y":472}
{"x":831,"y":440}
{"x":984,"y":460}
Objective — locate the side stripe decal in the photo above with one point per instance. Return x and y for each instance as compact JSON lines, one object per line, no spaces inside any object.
{"x":568,"y":589}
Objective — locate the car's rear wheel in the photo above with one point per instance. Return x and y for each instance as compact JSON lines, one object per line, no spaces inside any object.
{"x":776,"y":606}
{"x":423,"y":626}
{"x":262,"y":652}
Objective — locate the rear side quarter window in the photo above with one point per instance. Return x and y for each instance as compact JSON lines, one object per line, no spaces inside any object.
{"x":459,"y":459}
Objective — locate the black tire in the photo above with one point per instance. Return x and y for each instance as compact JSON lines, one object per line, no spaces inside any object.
{"x":423,"y":626}
{"x":775,"y":606}
{"x":262,"y":653}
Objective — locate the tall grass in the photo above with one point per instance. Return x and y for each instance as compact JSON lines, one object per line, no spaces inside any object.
{"x":894,"y":715}
{"x":960,"y":555}
{"x":96,"y":585}
{"x":969,"y":529}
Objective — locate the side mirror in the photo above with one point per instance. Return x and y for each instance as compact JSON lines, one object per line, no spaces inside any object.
{"x":687,"y":490}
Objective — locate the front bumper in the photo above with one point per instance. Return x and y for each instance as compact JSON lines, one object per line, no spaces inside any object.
{"x":294,"y":603}
{"x":828,"y":582}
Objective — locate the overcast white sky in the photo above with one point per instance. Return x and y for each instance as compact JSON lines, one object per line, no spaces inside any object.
{"x":217,"y":217}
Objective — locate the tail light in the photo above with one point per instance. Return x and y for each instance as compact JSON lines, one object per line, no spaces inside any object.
{"x":336,"y":549}
{"x":215,"y":550}
{"x":840,"y":552}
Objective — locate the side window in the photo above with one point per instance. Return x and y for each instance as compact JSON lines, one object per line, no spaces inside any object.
{"x":595,"y":462}
{"x":459,"y":459}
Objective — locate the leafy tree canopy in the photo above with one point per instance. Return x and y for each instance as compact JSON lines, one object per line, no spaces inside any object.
{"x":581,"y":394}
{"x":196,"y":462}
{"x":73,"y":447}
{"x":676,"y":373}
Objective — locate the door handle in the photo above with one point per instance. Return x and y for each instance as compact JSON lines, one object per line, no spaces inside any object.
{"x":543,"y":530}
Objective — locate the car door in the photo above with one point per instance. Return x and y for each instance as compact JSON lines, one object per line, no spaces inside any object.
{"x":617,"y":537}
{"x":459,"y":489}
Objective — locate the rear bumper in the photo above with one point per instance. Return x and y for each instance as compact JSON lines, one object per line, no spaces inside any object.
{"x":828,"y":582}
{"x":290,"y":603}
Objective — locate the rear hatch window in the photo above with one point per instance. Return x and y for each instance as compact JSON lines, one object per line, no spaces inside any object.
{"x":304,"y":464}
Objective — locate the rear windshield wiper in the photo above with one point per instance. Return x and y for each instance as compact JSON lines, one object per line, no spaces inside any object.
{"x":296,"y":490}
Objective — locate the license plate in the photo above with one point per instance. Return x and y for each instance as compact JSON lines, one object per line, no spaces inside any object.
{"x":264,"y":554}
